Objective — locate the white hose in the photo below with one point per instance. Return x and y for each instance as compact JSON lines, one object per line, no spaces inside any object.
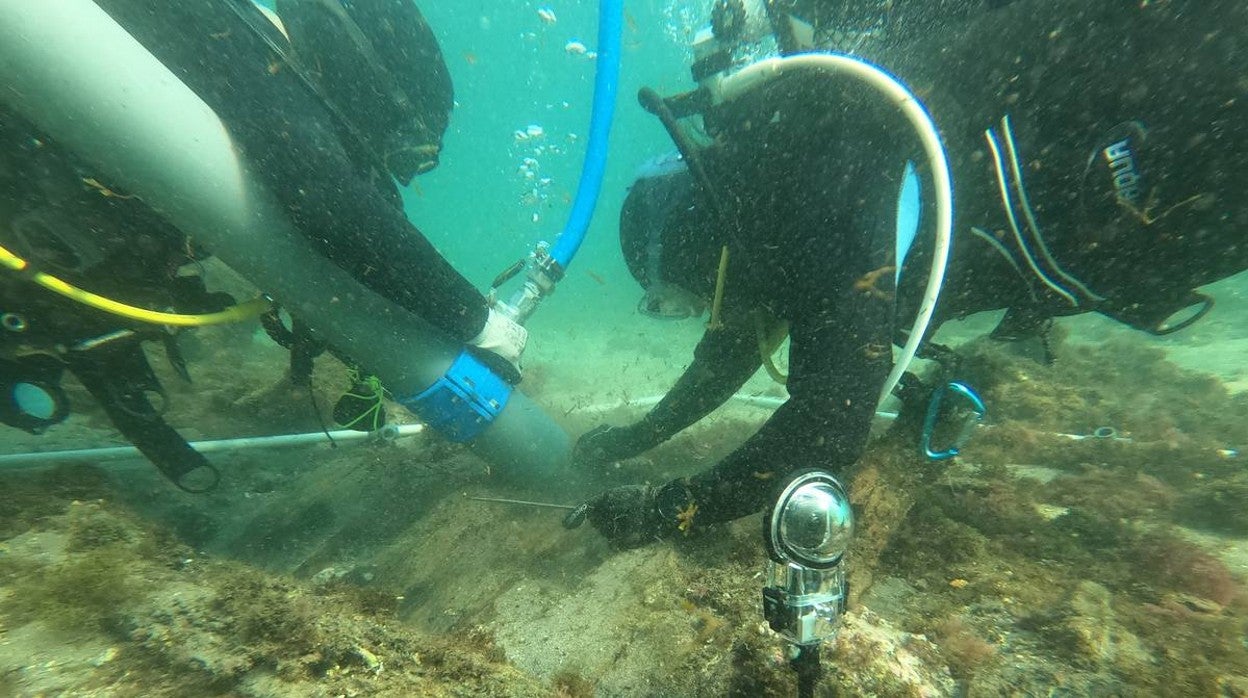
{"x":109,"y":453}
{"x":764,"y":71}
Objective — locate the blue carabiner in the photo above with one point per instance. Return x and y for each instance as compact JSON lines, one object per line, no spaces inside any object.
{"x":978,"y":410}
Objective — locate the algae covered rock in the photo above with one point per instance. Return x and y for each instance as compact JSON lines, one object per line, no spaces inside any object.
{"x":1087,"y":626}
{"x":147,"y":616}
{"x":1218,"y":504}
{"x":872,"y":657}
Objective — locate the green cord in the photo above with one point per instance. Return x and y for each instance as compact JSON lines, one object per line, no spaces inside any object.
{"x":376,"y":395}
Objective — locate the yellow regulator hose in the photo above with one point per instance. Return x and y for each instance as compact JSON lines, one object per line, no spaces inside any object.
{"x":236,"y":313}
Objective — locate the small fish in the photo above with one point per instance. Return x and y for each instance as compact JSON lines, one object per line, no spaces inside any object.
{"x":575,"y":48}
{"x":470,"y":58}
{"x":103,"y":190}
{"x":547,"y":15}
{"x":597,"y":277}
{"x":632,"y":23}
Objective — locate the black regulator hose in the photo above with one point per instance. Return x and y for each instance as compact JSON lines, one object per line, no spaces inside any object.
{"x":654,"y":103}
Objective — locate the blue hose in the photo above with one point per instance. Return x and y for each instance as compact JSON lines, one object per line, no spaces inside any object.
{"x":606,"y":85}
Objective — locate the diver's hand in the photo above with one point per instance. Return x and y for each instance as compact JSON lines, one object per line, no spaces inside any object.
{"x":627,"y":516}
{"x":634,"y":515}
{"x":504,"y":338}
{"x":605,"y":444}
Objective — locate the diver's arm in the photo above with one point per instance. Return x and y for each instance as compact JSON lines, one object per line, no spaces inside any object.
{"x":353,"y":222}
{"x":837,"y":365}
{"x":723,"y":361}
{"x":299,"y":149}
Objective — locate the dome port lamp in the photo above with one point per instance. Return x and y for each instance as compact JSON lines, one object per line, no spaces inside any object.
{"x":807,"y":532}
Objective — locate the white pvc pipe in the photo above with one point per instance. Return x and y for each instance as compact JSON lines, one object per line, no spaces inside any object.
{"x":110,"y":453}
{"x":762,"y":72}
{"x":761,"y":401}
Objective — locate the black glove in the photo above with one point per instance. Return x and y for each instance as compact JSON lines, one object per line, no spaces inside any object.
{"x":606,"y":444}
{"x":634,"y":515}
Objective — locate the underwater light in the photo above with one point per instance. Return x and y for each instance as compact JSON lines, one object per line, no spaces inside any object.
{"x":33,"y":405}
{"x":811,"y":522}
{"x":807,"y":532}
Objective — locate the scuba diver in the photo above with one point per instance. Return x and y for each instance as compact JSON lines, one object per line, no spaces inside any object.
{"x":331,"y":102}
{"x":1096,"y":155}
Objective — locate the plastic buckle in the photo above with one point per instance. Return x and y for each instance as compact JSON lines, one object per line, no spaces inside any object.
{"x":463,"y":402}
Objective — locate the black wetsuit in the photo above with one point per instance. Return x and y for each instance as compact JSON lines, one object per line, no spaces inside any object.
{"x":334,"y":195}
{"x":1131,"y":127}
{"x":809,"y":168}
{"x":113,"y":244}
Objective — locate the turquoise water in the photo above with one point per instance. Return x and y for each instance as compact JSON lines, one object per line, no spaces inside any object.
{"x":511,"y":70}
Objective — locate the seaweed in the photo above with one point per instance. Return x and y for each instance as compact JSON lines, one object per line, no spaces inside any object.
{"x":570,"y":683}
{"x":85,"y":592}
{"x":1218,"y":504}
{"x":1167,"y":562}
{"x":963,"y":647}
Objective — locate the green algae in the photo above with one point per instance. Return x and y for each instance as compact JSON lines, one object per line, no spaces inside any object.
{"x":1218,"y":503}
